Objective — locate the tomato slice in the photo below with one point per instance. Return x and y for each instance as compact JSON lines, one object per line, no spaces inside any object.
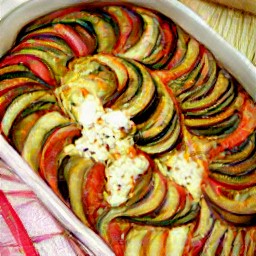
{"x":35,"y":64}
{"x":244,"y":129}
{"x":117,"y":233}
{"x":93,"y":189}
{"x":73,"y":39}
{"x":52,"y":148}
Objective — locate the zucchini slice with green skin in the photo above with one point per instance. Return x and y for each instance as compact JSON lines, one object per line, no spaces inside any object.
{"x":52,"y":42}
{"x":47,"y":19}
{"x":156,"y":242}
{"x":159,"y":122}
{"x":105,"y":32}
{"x":10,"y":84}
{"x":181,"y":85}
{"x":203,"y":228}
{"x":18,"y":105}
{"x":37,"y":135}
{"x":224,"y":128}
{"x":232,"y":218}
{"x":118,"y":68}
{"x":167,"y":142}
{"x":145,"y":45}
{"x":62,"y":35}
{"x":145,"y":95}
{"x":168,"y":42}
{"x":180,"y":50}
{"x":241,"y":168}
{"x":219,"y":106}
{"x":165,"y":215}
{"x":220,"y":88}
{"x":12,"y":68}
{"x":155,"y":195}
{"x":176,"y":241}
{"x":34,"y":64}
{"x":75,"y":171}
{"x":217,"y":234}
{"x":228,"y":241}
{"x":24,"y":123}
{"x":152,"y":200}
{"x":57,"y":62}
{"x":236,"y":182}
{"x":22,"y":74}
{"x":189,"y":62}
{"x":237,"y":154}
{"x":238,"y":244}
{"x":213,"y":120}
{"x":97,"y":65}
{"x":202,"y":87}
{"x":9,"y":95}
{"x":134,"y":84}
{"x":129,"y":25}
{"x":51,"y":161}
{"x":134,"y":241}
{"x":241,"y":202}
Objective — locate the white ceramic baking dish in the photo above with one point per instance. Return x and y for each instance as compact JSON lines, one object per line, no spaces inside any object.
{"x":19,"y":13}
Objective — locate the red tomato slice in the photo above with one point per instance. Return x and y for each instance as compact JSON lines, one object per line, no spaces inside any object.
{"x":117,"y":233}
{"x":35,"y":64}
{"x":244,"y":129}
{"x":94,"y":186}
{"x":73,"y":39}
{"x":51,"y":150}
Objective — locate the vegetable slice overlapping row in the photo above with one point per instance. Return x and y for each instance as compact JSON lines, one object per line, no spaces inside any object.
{"x":137,"y":61}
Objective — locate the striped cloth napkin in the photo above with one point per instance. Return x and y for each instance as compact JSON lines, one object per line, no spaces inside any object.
{"x":26,"y":226}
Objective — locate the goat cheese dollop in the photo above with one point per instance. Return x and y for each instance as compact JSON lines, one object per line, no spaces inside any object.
{"x":107,"y":137}
{"x":185,"y":171}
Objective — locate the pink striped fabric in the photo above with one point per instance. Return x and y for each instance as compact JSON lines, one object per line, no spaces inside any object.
{"x":26,"y":226}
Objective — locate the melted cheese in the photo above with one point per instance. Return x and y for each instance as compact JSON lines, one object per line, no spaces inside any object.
{"x":106,"y":137}
{"x":186,"y":172}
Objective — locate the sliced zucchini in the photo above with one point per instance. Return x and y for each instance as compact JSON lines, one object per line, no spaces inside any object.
{"x":37,"y":135}
{"x":238,"y":182}
{"x":237,"y":154}
{"x":144,"y":97}
{"x":220,"y":130}
{"x":202,"y":87}
{"x":12,"y":68}
{"x":146,"y":43}
{"x":167,"y":142}
{"x":217,"y":234}
{"x":57,"y":62}
{"x":221,"y":87}
{"x":241,"y":168}
{"x":18,"y":105}
{"x":151,"y":201}
{"x":228,"y":241}
{"x":188,"y":63}
{"x":22,"y":74}
{"x":134,"y":241}
{"x":203,"y":228}
{"x":75,"y":171}
{"x":134,"y":84}
{"x":103,"y":28}
{"x":160,"y":121}
{"x":180,"y":50}
{"x":182,"y":85}
{"x":166,"y":210}
{"x":213,"y":120}
{"x":129,"y":26}
{"x":177,"y":239}
{"x":26,"y":120}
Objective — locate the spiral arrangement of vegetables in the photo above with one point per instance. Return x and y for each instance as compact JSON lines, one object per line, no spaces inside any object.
{"x":171,"y":87}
